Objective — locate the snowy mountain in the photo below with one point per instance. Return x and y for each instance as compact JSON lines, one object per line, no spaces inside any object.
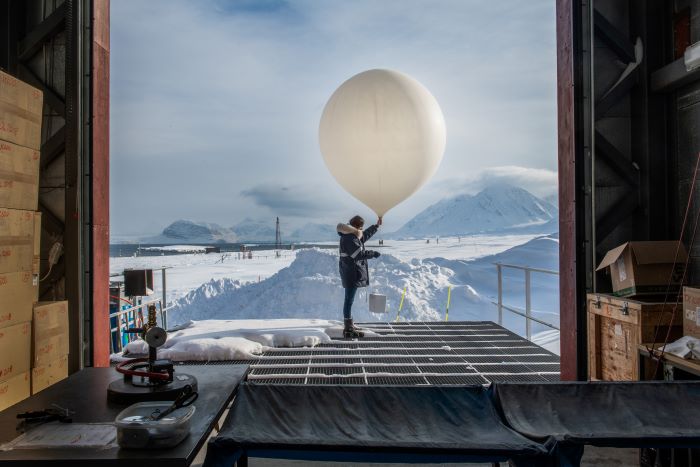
{"x":552,"y":199}
{"x":500,"y":208}
{"x":250,"y":230}
{"x":185,"y":231}
{"x":313,"y":233}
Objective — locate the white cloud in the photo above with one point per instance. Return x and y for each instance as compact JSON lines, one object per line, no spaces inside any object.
{"x":540,"y":182}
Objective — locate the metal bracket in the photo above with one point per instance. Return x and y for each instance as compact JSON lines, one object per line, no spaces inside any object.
{"x":597,"y":302}
{"x":625,"y":308}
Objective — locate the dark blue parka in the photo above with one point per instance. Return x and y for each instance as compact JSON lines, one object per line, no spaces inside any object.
{"x":353,"y":258}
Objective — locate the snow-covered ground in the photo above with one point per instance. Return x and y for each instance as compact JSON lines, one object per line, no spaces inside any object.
{"x":238,"y":339}
{"x":305,"y":284}
{"x":188,"y":271}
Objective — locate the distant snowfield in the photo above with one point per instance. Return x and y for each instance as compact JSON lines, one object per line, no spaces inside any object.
{"x":178,"y":248}
{"x":304,"y":284}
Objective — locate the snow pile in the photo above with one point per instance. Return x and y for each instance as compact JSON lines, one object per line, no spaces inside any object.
{"x":237,"y":339}
{"x":548,"y":340}
{"x":310,"y":288}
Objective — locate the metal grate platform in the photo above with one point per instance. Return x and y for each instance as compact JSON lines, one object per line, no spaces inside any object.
{"x":414,"y":354}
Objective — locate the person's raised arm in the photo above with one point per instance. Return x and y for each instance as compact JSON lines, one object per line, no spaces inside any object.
{"x":371,"y":230}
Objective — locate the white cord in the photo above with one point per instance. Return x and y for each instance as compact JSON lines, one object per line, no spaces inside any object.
{"x":47,"y":274}
{"x":54,"y":255}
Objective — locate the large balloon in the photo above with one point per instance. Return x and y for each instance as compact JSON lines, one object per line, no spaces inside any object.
{"x":382,"y":136}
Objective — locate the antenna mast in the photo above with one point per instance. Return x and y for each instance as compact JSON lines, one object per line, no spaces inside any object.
{"x":278,"y":238}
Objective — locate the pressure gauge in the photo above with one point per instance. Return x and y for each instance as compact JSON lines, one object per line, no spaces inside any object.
{"x":155,"y":336}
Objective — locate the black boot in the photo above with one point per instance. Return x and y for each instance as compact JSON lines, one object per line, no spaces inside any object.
{"x":350,"y":331}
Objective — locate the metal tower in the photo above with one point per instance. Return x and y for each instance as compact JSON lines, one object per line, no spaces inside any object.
{"x":278,"y":237}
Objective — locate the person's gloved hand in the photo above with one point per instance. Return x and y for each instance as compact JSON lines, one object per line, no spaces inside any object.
{"x":375,"y":254}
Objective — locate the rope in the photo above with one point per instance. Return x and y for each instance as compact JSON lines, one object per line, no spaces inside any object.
{"x":673,"y":268}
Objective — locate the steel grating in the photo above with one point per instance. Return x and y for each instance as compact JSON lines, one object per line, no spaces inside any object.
{"x":414,"y":354}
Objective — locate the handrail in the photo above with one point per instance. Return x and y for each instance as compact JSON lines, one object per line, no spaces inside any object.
{"x":518,"y":312}
{"x":528,"y":296}
{"x":515,"y":266}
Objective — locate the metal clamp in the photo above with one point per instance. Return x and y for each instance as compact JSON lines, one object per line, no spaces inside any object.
{"x":625,"y":308}
{"x":597,"y":302}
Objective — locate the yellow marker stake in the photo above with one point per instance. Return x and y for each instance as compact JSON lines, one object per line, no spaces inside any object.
{"x":403,"y":294}
{"x":447,"y":310}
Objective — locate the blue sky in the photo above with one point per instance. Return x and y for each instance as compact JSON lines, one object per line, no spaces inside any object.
{"x":215,"y":103}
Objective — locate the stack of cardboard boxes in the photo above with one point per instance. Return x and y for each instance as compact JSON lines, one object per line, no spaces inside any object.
{"x":21,"y":108}
{"x":49,"y":344}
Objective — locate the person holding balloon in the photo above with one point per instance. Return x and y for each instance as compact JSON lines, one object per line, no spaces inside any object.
{"x":354,"y":272}
{"x":382,"y":136}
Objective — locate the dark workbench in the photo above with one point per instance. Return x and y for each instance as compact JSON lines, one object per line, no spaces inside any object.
{"x":85,"y":392}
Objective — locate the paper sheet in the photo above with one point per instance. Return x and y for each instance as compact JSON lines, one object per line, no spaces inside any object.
{"x":66,"y":435}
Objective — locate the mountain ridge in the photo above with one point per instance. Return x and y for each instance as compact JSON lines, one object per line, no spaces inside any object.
{"x":497,"y":208}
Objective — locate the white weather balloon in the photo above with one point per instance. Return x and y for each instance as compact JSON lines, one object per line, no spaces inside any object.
{"x":382,"y":136}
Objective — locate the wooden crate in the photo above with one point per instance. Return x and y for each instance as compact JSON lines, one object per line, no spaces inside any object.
{"x":616,"y":327}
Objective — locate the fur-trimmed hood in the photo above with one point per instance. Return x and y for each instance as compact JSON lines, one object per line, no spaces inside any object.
{"x":348,"y":229}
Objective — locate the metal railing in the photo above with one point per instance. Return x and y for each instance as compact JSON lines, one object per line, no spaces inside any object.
{"x":130,"y":314}
{"x":528,"y":297}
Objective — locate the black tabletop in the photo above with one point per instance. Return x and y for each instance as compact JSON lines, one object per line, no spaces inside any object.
{"x":85,"y":392}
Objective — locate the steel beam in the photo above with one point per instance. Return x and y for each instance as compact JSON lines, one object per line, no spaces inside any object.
{"x":73,"y":238}
{"x":8,"y":41}
{"x":673,"y":76}
{"x":618,"y":212}
{"x":53,"y":147}
{"x":614,"y":95}
{"x":51,"y":98}
{"x":50,"y":222}
{"x":613,"y":38}
{"x":623,"y":167}
{"x":42,"y":33}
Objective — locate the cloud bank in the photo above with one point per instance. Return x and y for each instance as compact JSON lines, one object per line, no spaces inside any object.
{"x":218,"y":102}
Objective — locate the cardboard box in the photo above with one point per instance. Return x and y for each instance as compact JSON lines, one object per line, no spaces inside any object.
{"x":21,"y":107}
{"x":644,"y":268}
{"x":50,"y":334}
{"x":20,"y":240}
{"x":20,"y":94}
{"x":47,"y":375}
{"x":691,"y":312}
{"x":15,"y":349}
{"x":14,"y":390}
{"x":18,"y":293}
{"x":19,"y":177}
